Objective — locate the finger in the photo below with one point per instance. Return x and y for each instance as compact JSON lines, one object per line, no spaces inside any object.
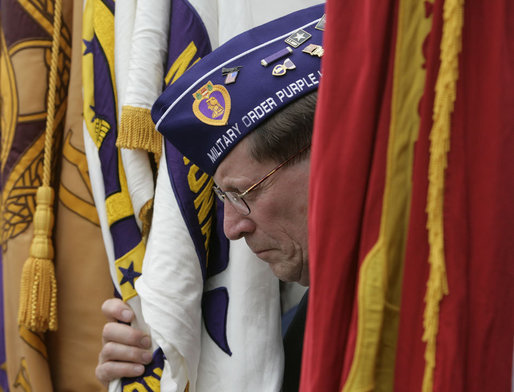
{"x":125,"y":334}
{"x":109,"y":371}
{"x":113,"y":351}
{"x":114,"y":309}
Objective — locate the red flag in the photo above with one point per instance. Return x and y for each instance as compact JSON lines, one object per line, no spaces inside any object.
{"x":369,"y":248}
{"x":476,"y":325}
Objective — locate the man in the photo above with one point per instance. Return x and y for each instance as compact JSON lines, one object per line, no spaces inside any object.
{"x":253,"y":136}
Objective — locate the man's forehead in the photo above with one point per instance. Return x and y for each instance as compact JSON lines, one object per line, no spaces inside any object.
{"x":234,"y":164}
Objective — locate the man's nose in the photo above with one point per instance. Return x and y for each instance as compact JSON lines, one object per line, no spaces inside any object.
{"x":235,"y":225}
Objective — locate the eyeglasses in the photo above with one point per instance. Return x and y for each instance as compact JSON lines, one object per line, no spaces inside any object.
{"x":237,"y":199}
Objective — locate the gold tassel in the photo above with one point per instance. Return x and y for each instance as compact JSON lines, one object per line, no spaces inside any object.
{"x":137,"y":130}
{"x":38,"y":291}
{"x":38,"y":288}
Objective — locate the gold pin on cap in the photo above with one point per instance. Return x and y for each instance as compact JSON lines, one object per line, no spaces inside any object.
{"x":314,"y":50}
{"x":281,"y":69}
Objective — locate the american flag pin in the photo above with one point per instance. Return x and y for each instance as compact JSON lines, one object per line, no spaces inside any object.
{"x":231,"y":74}
{"x":231,"y":77}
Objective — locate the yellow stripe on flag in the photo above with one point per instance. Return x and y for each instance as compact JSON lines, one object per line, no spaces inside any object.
{"x":380,"y":283}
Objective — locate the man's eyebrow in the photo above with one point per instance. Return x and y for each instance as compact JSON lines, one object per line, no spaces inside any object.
{"x":233,"y":185}
{"x":232,"y":188}
{"x":223,"y":188}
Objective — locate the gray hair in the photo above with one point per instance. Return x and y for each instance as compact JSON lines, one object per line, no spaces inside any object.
{"x":285,"y":133}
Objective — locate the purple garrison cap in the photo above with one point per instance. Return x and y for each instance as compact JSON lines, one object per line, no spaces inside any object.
{"x":219,"y":100}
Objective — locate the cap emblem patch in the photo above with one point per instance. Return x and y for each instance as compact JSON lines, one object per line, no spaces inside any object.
{"x":212,"y":104}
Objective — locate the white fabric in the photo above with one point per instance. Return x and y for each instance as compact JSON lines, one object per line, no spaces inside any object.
{"x":124,"y":19}
{"x":253,"y":329}
{"x":129,"y":26}
{"x":171,"y":285}
{"x":148,"y":53}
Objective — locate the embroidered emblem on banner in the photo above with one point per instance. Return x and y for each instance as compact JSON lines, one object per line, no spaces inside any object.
{"x":212,"y":104}
{"x":297,"y":38}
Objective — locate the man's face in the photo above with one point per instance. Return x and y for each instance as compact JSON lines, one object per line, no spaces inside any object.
{"x":276,"y":228}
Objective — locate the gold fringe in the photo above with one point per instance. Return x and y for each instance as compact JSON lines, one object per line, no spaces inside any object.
{"x":137,"y":130}
{"x":445,"y":94}
{"x":38,"y":288}
{"x":145,"y":214}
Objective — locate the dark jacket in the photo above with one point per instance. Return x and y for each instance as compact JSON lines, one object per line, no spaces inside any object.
{"x":293,"y":345}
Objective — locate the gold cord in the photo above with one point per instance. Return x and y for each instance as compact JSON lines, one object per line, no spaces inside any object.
{"x":38,"y":287}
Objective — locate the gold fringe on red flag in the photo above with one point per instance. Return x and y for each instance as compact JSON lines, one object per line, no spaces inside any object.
{"x":445,"y":94}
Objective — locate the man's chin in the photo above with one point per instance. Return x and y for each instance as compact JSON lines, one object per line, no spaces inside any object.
{"x":288,"y":275}
{"x":285,"y":276}
{"x":263,"y":255}
{"x":268,"y":256}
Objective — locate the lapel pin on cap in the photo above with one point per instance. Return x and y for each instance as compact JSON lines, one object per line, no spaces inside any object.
{"x":275,"y":56}
{"x":321,"y":24}
{"x":297,"y":38}
{"x":314,"y":50}
{"x":281,"y":69}
{"x":231,"y":74}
